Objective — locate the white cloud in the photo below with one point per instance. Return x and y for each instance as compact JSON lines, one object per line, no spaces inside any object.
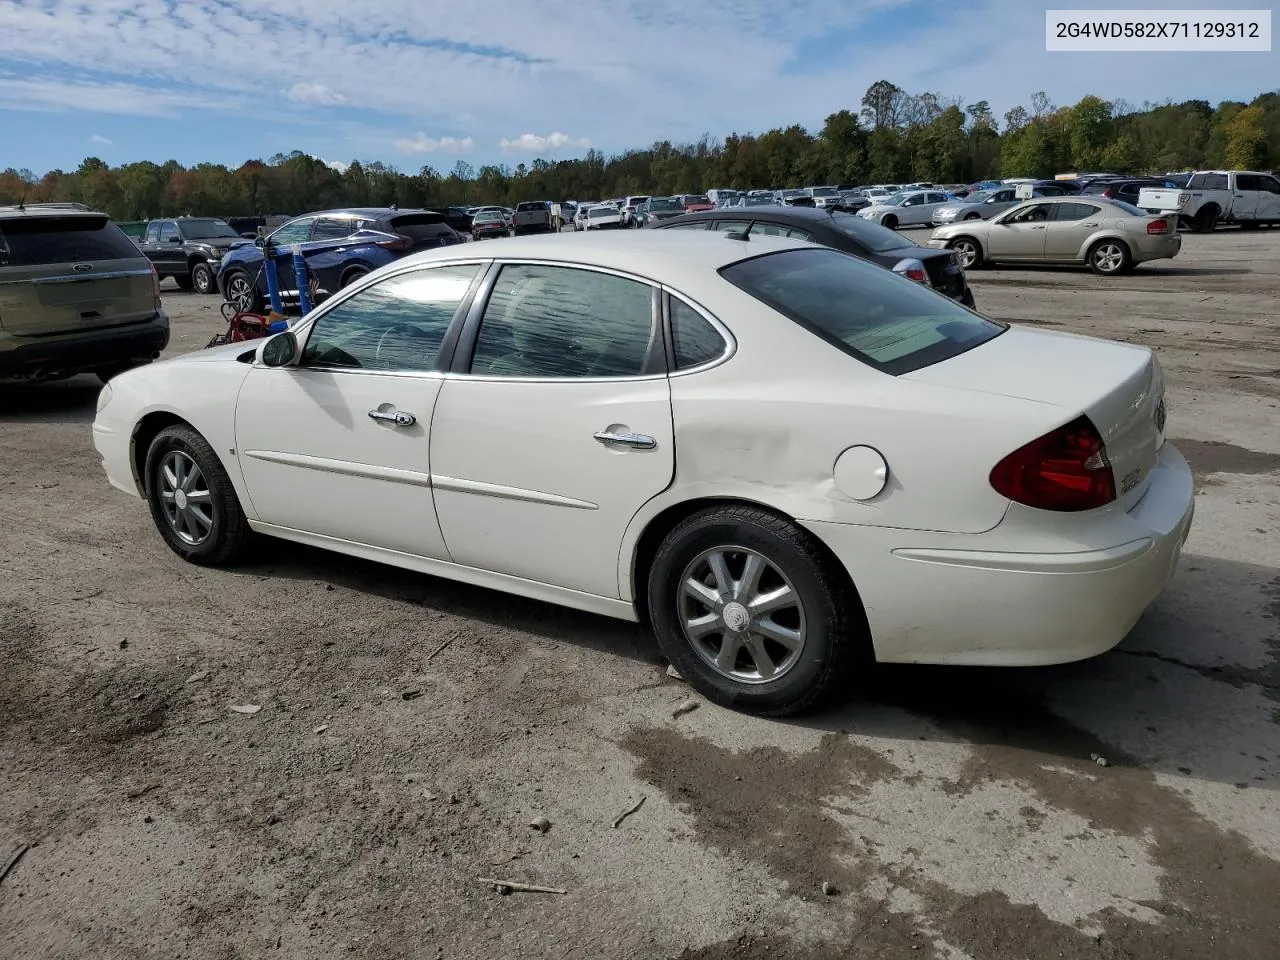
{"x":552,"y":141}
{"x":421,"y":143}
{"x":101,"y":141}
{"x":338,"y":165}
{"x":316,"y":93}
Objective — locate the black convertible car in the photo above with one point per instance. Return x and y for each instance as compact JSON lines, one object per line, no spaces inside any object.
{"x":939,"y":268}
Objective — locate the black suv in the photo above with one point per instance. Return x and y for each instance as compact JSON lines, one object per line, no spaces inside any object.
{"x":189,"y":249}
{"x":1128,"y":188}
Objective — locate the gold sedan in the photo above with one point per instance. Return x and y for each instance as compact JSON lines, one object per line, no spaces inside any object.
{"x":1111,"y":236}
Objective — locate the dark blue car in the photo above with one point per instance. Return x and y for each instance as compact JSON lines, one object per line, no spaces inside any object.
{"x":339,"y":246}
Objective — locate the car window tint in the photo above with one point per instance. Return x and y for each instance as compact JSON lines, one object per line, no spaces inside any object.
{"x":169,"y":232}
{"x":1067,"y":212}
{"x":1032,"y":214}
{"x":1247,"y":181}
{"x":395,"y":324}
{"x":153,"y":232}
{"x":331,"y":228}
{"x":732,"y":226}
{"x":779,"y":230}
{"x":46,"y":240}
{"x":692,"y":225}
{"x":1212,"y":181}
{"x":887,"y":321}
{"x":298,"y":231}
{"x":545,"y":321}
{"x":695,"y":340}
{"x":1269,"y":184}
{"x":871,"y":236}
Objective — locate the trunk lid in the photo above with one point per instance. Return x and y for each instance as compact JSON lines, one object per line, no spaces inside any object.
{"x":1119,"y":387}
{"x":1162,"y":200}
{"x":69,"y":274}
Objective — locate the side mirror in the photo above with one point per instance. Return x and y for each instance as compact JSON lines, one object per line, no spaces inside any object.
{"x":259,"y":241}
{"x":280,"y":350}
{"x":175,"y":239}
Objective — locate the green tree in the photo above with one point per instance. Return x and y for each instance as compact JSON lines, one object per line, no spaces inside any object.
{"x":1247,"y":140}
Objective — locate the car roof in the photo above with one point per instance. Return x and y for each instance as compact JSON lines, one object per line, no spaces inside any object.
{"x":633,"y":251}
{"x":363,"y":212}
{"x":770,"y":211}
{"x":58,"y":212}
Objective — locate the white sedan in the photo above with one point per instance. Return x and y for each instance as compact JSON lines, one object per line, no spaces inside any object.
{"x":787,"y":460}
{"x":907,"y":209}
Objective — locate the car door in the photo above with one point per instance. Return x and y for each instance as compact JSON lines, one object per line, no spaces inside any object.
{"x":339,"y":445}
{"x":555,"y":427}
{"x":1019,"y":234}
{"x":911,"y":210}
{"x":1070,"y":226}
{"x":282,"y":241}
{"x":998,"y":203}
{"x":932,"y":202}
{"x":170,"y":260}
{"x":1245,"y":196}
{"x":1268,"y":198}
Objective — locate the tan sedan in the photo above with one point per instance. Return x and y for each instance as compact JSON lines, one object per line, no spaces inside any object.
{"x":1110,"y":236}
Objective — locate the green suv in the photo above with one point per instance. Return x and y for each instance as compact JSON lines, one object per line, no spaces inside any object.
{"x":76,"y":295}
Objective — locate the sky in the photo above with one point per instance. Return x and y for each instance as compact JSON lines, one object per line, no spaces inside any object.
{"x":430,"y":82}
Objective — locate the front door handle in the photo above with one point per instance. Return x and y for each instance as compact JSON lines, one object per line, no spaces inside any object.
{"x":397,"y":417}
{"x":638,"y":441}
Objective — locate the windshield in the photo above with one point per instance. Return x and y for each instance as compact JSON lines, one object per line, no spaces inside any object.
{"x":207,"y":229}
{"x":824,"y":192}
{"x":665,"y":205}
{"x":874,"y":237}
{"x":889,"y":322}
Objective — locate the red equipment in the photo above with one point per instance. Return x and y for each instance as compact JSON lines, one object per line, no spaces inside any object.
{"x":241,"y":325}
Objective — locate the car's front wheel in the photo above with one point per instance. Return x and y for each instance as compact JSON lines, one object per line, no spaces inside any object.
{"x":202,"y":278}
{"x":889,"y":221}
{"x":240,"y":290}
{"x":192,"y":500}
{"x":746,"y":607}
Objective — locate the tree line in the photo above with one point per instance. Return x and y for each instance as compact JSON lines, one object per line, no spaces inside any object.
{"x":894,"y":137}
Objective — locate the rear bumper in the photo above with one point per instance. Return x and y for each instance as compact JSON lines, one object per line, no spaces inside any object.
{"x":90,"y":350}
{"x":1158,"y":249}
{"x":979,"y":600}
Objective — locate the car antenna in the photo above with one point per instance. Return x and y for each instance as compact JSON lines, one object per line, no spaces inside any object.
{"x":23,"y":200}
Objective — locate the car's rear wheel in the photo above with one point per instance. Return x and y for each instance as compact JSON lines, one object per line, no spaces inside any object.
{"x":184,"y":283}
{"x":351,"y":276}
{"x":890,"y":221}
{"x":241,"y":291}
{"x":1110,"y":257}
{"x":969,"y":252}
{"x":746,"y":608}
{"x":192,"y":500}
{"x":1205,"y":220}
{"x":202,"y":278}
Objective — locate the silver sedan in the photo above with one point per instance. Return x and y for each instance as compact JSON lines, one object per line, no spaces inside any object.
{"x":1110,"y":236}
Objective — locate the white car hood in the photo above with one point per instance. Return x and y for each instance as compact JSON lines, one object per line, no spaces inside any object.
{"x":227,"y":351}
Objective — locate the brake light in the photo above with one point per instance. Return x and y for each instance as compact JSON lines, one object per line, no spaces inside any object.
{"x":912,"y":269}
{"x":1158,"y":227}
{"x":1107,"y":193}
{"x":399,"y":242}
{"x":155,"y":283}
{"x":1065,"y":470}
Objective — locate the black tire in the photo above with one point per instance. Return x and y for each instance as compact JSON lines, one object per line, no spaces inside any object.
{"x":973,"y":216}
{"x":890,"y":221}
{"x":228,"y":532}
{"x":834,"y":634}
{"x":351,"y":276}
{"x":1110,"y":258}
{"x":184,"y":283}
{"x":239,"y":288}
{"x":1205,"y":219}
{"x":959,"y":244}
{"x":202,"y":278}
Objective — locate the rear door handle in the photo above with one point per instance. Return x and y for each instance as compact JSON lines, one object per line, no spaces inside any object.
{"x":399,"y":418}
{"x":637,"y":441}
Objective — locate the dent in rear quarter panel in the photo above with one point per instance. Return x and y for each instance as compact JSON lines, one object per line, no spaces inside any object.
{"x":201,"y":393}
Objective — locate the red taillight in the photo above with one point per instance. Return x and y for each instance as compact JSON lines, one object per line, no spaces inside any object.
{"x":1107,"y":193}
{"x":1065,"y":470}
{"x":1158,"y":227}
{"x":400,"y":242}
{"x":912,"y":269}
{"x":155,"y":282}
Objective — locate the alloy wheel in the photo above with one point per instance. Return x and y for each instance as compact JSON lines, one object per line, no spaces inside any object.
{"x":240,"y":291}
{"x":967,"y":250}
{"x":185,"y":498}
{"x":741,"y":614}
{"x":1108,"y":258}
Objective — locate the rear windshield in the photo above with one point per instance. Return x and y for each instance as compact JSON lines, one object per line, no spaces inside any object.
{"x":874,"y":237}
{"x":602,"y":212}
{"x":889,"y":322}
{"x":1129,"y":208}
{"x":691,"y":201}
{"x":421,"y":226}
{"x":664,"y":205}
{"x":43,"y":240}
{"x":206,"y":229}
{"x":531,"y":205}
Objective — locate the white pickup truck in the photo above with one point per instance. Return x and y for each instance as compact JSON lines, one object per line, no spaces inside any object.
{"x":1218,"y":196}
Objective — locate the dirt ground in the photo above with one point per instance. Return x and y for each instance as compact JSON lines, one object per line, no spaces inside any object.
{"x":411,"y":729}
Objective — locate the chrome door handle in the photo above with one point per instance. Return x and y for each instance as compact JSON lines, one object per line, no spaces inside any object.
{"x":398,"y":418}
{"x":639,"y":441}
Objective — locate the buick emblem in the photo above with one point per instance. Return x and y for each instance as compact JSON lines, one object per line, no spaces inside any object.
{"x":1158,"y":417}
{"x":82,"y":267}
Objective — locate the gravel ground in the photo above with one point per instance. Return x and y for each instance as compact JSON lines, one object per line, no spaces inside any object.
{"x":411,"y":729}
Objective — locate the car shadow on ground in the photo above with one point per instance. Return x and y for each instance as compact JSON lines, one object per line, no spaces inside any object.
{"x":280,"y":558}
{"x":1172,"y":685}
{"x":73,"y":400}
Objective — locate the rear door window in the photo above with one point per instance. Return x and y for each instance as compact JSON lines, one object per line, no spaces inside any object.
{"x":1071,"y":212}
{"x":169,"y":232}
{"x":886,"y":321}
{"x":39,"y":241}
{"x":332,"y":228}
